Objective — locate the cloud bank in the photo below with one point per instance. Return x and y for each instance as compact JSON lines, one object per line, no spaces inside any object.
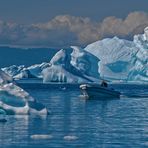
{"x":66,"y":30}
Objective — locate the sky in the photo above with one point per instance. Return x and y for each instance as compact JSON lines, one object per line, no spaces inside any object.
{"x":61,"y":23}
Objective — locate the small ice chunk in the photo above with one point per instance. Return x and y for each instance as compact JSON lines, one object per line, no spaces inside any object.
{"x":42,"y":136}
{"x":70,"y":138}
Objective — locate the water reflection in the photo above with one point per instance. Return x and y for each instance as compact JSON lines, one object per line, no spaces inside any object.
{"x":112,"y":123}
{"x":10,"y":131}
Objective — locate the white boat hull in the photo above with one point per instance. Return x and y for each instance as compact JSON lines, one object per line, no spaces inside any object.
{"x":99,"y":92}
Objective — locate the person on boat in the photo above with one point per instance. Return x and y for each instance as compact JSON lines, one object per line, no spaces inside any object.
{"x":104,"y":84}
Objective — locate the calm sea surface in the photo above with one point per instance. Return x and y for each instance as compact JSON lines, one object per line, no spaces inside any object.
{"x":77,"y":123}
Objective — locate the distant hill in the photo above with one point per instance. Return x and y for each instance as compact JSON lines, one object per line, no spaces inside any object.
{"x":17,"y":56}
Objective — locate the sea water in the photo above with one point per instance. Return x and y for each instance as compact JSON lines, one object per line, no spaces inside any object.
{"x":79,"y":123}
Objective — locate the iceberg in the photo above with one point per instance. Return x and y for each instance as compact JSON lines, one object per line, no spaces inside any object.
{"x":146,"y":33}
{"x":36,"y":70}
{"x":70,"y":138}
{"x":5,"y":78}
{"x":14,"y":100}
{"x":113,"y":59}
{"x":72,"y":66}
{"x":13,"y":70}
{"x":85,"y":62}
{"x":122,"y":59}
{"x":116,"y":57}
{"x":139,"y":72}
{"x":21,"y":72}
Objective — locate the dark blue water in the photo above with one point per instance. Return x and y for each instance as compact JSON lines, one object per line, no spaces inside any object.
{"x":94,"y":123}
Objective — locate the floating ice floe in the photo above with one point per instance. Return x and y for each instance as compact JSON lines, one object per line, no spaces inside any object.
{"x":70,"y":138}
{"x":14,"y":100}
{"x":42,"y":136}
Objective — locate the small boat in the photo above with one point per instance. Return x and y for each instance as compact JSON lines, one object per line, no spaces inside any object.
{"x":97,"y":91}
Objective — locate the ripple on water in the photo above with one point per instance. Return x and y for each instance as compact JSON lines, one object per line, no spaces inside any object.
{"x":75,"y":122}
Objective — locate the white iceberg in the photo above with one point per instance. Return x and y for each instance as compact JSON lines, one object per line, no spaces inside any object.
{"x":146,"y":33}
{"x":21,"y":72}
{"x":13,"y":70}
{"x":14,"y":100}
{"x":116,"y":57}
{"x":5,"y":78}
{"x":72,"y":66}
{"x":111,"y":58}
{"x":121,"y":59}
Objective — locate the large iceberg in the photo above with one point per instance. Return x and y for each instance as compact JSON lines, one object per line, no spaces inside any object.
{"x":113,"y":59}
{"x":72,"y":66}
{"x":139,"y":72}
{"x":116,"y":57}
{"x":121,"y":59}
{"x":14,"y":100}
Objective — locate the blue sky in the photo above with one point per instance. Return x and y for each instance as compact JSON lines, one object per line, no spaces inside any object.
{"x":61,"y":23}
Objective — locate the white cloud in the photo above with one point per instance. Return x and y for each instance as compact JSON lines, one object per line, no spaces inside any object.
{"x":65,"y":30}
